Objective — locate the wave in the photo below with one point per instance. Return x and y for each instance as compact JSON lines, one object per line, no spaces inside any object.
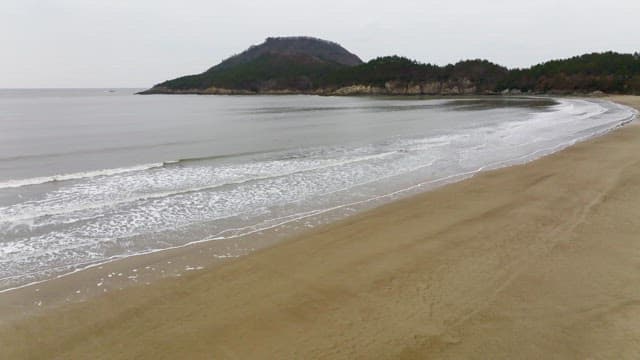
{"x":106,"y":172}
{"x":218,"y":157}
{"x":76,"y":176}
{"x":103,"y":150}
{"x":169,"y":193}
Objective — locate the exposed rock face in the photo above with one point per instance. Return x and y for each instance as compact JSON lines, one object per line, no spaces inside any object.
{"x":357,"y":90}
{"x":463,"y":87}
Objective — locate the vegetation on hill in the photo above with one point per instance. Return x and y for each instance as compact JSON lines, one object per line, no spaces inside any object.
{"x":278,"y":63}
{"x":322,"y":50}
{"x":268,"y":71}
{"x":308,"y":65}
{"x":379,"y":71}
{"x":608,"y":72}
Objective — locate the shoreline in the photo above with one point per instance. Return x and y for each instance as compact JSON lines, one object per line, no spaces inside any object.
{"x":170,"y":285}
{"x":118,"y":273}
{"x":367,"y":90}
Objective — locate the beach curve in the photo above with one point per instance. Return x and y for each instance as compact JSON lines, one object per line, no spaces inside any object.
{"x":511,"y":262}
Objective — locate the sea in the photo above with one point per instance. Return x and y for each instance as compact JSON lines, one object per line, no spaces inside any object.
{"x":88,"y":176}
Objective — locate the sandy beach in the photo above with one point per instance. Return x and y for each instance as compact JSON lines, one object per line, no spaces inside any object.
{"x":540,"y":260}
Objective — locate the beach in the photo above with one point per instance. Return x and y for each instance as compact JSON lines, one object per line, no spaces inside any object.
{"x":538,"y":260}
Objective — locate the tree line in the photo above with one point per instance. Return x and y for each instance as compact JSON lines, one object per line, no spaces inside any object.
{"x":608,"y":72}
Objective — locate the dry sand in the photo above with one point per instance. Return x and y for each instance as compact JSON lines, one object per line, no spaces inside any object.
{"x":538,"y":261}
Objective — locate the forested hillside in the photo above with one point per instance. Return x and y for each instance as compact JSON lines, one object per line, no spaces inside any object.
{"x":315,"y":66}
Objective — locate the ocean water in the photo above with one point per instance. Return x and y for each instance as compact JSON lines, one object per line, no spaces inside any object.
{"x":88,"y":176}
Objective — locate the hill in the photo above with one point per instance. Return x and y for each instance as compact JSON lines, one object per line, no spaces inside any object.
{"x":278,"y":64}
{"x":314,"y":66}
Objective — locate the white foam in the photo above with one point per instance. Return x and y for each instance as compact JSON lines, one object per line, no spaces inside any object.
{"x":171,"y":182}
{"x":75,"y":176}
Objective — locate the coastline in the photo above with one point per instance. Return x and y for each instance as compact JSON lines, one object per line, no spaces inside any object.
{"x":437,"y":89}
{"x":328,"y":282}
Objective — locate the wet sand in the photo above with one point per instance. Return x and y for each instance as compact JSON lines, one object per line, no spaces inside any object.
{"x":540,"y":260}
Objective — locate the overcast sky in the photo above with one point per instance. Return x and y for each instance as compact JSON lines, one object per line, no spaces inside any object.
{"x":137,"y":43}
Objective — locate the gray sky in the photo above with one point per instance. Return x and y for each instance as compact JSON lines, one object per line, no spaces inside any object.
{"x":137,"y":43}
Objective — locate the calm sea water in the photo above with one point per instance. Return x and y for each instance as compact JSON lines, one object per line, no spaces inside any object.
{"x":91,"y":175}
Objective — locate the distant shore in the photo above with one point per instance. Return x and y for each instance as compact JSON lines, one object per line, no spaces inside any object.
{"x":390,"y":89}
{"x":533,"y":261}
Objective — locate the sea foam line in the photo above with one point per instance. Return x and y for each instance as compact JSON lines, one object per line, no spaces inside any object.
{"x":75,"y":176}
{"x":164,"y":194}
